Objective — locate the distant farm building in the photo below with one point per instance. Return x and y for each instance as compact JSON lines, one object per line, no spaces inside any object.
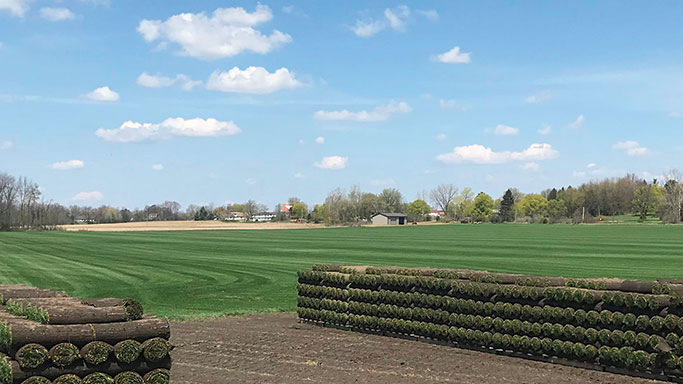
{"x":264,"y":216}
{"x":384,"y":218}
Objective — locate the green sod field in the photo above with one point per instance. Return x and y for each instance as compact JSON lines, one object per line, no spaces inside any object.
{"x":194,"y":274}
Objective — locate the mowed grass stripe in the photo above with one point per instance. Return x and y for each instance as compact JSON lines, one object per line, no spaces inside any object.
{"x":195,"y":274}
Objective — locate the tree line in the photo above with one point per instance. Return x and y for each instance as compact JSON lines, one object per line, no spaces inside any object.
{"x":22,"y":206}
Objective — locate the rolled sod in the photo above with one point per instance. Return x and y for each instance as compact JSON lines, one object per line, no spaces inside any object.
{"x":28,"y":292}
{"x":110,"y":367}
{"x":5,"y":370}
{"x":64,"y":354}
{"x":98,"y":378}
{"x":127,"y":351}
{"x":128,"y":377}
{"x":37,"y":380}
{"x":156,"y":349}
{"x":68,"y":379}
{"x":31,"y":356}
{"x":132,"y":307}
{"x":158,"y":376}
{"x":24,"y":332}
{"x":96,"y":352}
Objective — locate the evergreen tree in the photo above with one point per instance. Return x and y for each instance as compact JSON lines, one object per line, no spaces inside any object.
{"x":507,"y":207}
{"x":552,"y":195}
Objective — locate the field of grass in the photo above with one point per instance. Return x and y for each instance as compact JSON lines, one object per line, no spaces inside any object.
{"x":186,"y":275}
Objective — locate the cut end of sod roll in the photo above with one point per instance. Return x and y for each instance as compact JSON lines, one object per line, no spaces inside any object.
{"x":64,"y":354}
{"x":134,"y":310}
{"x":37,"y":380}
{"x":158,"y":376}
{"x":156,"y":349}
{"x":127,"y":351}
{"x":5,"y":370}
{"x":68,"y":379}
{"x":97,"y":352}
{"x":98,"y":378}
{"x":31,"y":356}
{"x":128,"y":377}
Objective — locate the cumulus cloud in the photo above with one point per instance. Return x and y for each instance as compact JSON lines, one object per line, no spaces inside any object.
{"x":531,"y":166}
{"x":67,"y":165}
{"x":538,"y":98}
{"x":102,"y":94}
{"x":395,"y":19}
{"x":89,"y":196}
{"x":479,"y":154}
{"x":591,"y":165}
{"x":380,"y":113}
{"x":332,"y":162}
{"x":320,"y":140}
{"x":252,"y":80}
{"x":15,"y":7}
{"x":632,"y":148}
{"x":131,"y":131}
{"x":449,"y":104}
{"x":545,"y":129}
{"x":429,"y":14}
{"x":454,"y":56}
{"x":56,"y":14}
{"x":158,"y":81}
{"x":158,"y":167}
{"x":578,"y":123}
{"x":505,"y":130}
{"x":226,"y":33}
{"x":6,"y":144}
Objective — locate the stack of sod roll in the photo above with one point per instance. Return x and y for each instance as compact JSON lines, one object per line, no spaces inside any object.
{"x":624,"y":326}
{"x":48,"y":337}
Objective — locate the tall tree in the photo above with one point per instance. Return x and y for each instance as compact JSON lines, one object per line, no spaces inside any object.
{"x":417,"y":210}
{"x":507,"y":207}
{"x":391,"y":200}
{"x":673,"y":199}
{"x":534,"y":206}
{"x":442,"y":196}
{"x":483,"y":207}
{"x":646,"y":200}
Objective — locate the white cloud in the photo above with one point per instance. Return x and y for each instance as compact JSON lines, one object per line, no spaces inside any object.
{"x":56,"y":14}
{"x":578,"y":123}
{"x":89,"y":196}
{"x":454,"y":56}
{"x":479,"y":154}
{"x":591,"y":165}
{"x":158,"y":167}
{"x":675,"y":114}
{"x":67,"y":165}
{"x":299,"y":176}
{"x":102,"y":94}
{"x":440,"y":137}
{"x":332,"y":162}
{"x":380,"y":113}
{"x":15,"y":7}
{"x":6,"y":144}
{"x":252,"y":80}
{"x":632,"y":148}
{"x":538,"y":98}
{"x":158,"y":81}
{"x":226,"y":33}
{"x":545,"y":130}
{"x":531,"y":166}
{"x":429,"y":14}
{"x":320,"y":140}
{"x":505,"y":130}
{"x":450,"y":104}
{"x":131,"y":131}
{"x":395,"y":19}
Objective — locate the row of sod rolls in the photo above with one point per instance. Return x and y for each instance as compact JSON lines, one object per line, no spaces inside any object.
{"x":48,"y":337}
{"x":591,"y":321}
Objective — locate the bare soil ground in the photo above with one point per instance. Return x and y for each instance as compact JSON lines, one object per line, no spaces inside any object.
{"x":145,"y":226}
{"x":276,"y":348}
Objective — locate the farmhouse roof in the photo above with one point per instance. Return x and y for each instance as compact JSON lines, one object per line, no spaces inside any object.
{"x":391,"y":214}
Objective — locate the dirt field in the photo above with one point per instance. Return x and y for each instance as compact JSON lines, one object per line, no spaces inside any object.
{"x":146,"y":226}
{"x":277,"y":349}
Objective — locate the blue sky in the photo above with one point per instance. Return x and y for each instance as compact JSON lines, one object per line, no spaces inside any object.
{"x":130,"y":103}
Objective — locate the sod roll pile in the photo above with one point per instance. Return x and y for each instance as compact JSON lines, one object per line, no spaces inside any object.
{"x":623,"y":326}
{"x":47,"y":337}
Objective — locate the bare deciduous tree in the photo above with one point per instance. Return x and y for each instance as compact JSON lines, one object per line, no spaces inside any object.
{"x":442,"y":196}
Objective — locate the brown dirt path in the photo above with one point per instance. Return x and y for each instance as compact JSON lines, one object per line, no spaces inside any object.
{"x":276,"y":348}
